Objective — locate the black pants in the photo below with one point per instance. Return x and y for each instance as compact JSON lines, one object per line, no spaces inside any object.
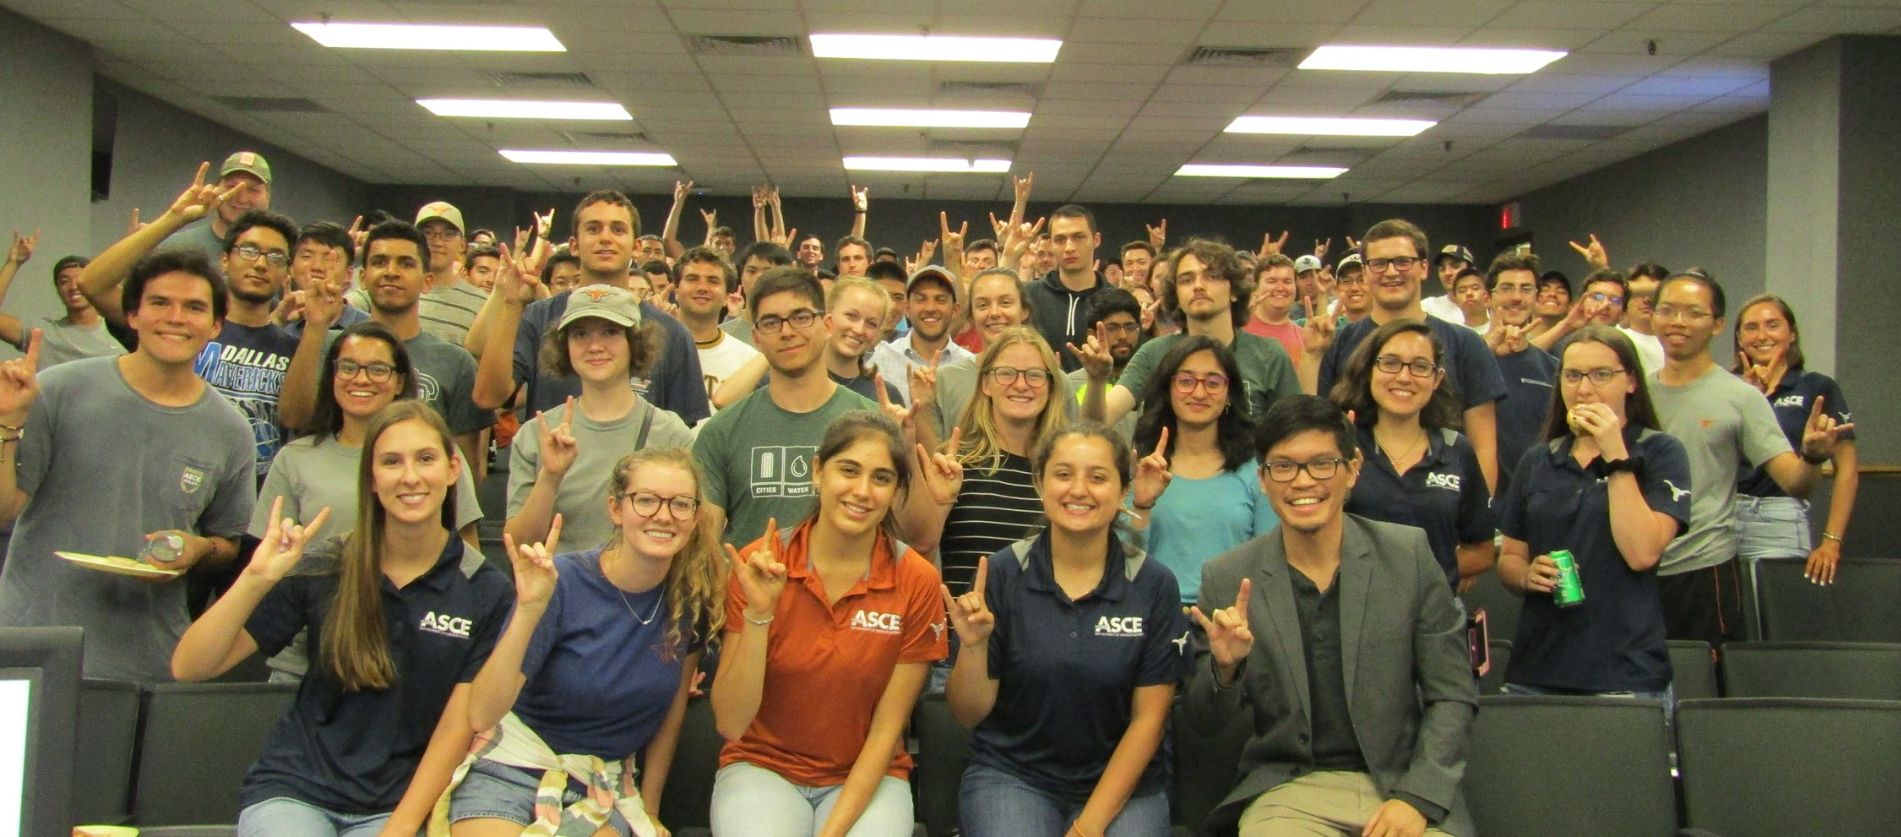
{"x":1705,"y":604}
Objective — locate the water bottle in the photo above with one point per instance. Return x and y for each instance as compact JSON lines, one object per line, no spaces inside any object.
{"x":164,"y":549}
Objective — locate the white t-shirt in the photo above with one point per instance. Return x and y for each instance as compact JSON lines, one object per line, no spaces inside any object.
{"x":1444,"y":308}
{"x":720,"y":360}
{"x":1649,"y":349}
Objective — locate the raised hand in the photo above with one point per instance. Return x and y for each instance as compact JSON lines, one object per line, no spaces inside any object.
{"x":1505,"y":340}
{"x":1229,"y":639}
{"x":970,"y":614}
{"x":1023,"y":186}
{"x":1317,"y":334}
{"x":860,"y":197}
{"x":1094,"y":354}
{"x":761,"y":576}
{"x":135,"y":224}
{"x":283,"y":544}
{"x":518,"y":279}
{"x":1321,"y":246}
{"x":1593,"y":253}
{"x":1000,"y":230}
{"x":544,"y":224}
{"x":943,"y":475}
{"x":784,"y":237}
{"x":535,"y":573}
{"x":682,"y":188}
{"x":199,"y":199}
{"x":289,"y":309}
{"x":1017,"y":240}
{"x":923,"y":384}
{"x":953,"y":242}
{"x":558,"y":448}
{"x":20,"y":384}
{"x":711,"y":216}
{"x":1151,"y":475}
{"x":1764,"y":377}
{"x":23,"y":247}
{"x":1271,"y":245}
{"x":759,"y":197}
{"x":1158,"y":234}
{"x":1599,"y":422}
{"x":1821,"y":432}
{"x":898,"y":413}
{"x":1352,"y":243}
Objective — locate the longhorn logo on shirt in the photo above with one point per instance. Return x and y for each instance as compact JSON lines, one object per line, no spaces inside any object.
{"x":1181,"y":645}
{"x":871,"y":620}
{"x":1675,"y":492}
{"x":1119,"y":626}
{"x":445,"y":625}
{"x":1449,"y":482}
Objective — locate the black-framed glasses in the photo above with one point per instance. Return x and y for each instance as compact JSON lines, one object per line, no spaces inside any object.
{"x":1186,"y":382}
{"x":377,"y":370}
{"x":801,"y":320}
{"x":1008,"y":375}
{"x":1419,"y":366}
{"x":1285,"y":470}
{"x":1599,"y":377}
{"x":1122,"y":328}
{"x":442,"y":234}
{"x":1610,"y":299}
{"x":252,"y":252}
{"x":647,"y":504}
{"x":1401,"y":264}
{"x":1667,"y":313}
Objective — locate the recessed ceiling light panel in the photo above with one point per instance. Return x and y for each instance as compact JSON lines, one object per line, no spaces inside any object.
{"x":936,"y":48}
{"x":1241,"y":170}
{"x":431,"y":36}
{"x":930,"y":118}
{"x":1412,"y":59}
{"x":588,"y":158}
{"x":947,"y":165}
{"x":1329,"y":126}
{"x":523,"y":109}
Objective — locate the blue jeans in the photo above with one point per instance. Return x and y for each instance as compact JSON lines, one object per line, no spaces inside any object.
{"x":285,"y":817}
{"x":992,"y":803}
{"x":753,"y":801}
{"x":1668,"y":696}
{"x":500,"y":792}
{"x":1772,"y":527}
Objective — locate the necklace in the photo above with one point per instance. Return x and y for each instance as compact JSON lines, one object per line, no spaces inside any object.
{"x":629,"y":605}
{"x":1405,"y":453}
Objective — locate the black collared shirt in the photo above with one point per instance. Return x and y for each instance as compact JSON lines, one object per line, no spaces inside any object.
{"x":1792,"y":400}
{"x":1334,"y":747}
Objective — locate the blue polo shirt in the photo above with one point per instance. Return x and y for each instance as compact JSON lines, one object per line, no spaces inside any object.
{"x":1469,"y":363}
{"x":1792,"y":400}
{"x":354,"y":752}
{"x":1067,"y":670}
{"x":1614,"y":640}
{"x":1529,"y":377}
{"x":1444,"y":494}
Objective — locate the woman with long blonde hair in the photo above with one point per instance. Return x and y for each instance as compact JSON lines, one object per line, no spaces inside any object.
{"x":400,"y":617}
{"x":595,"y":666}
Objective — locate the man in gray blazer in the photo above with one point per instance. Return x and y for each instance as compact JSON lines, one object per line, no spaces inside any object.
{"x":1344,"y":647}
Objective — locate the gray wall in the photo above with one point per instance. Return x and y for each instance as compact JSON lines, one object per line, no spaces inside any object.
{"x":1866,"y":295}
{"x":45,"y":165}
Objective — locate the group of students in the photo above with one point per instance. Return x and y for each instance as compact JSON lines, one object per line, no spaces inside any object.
{"x":959,"y":486}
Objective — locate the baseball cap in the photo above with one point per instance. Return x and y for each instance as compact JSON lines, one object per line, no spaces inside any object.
{"x":1453,"y":251}
{"x":933,"y":273}
{"x":614,"y":304}
{"x":440,"y":211}
{"x":1351,"y":260}
{"x":249,"y":162}
{"x":1306,"y":263}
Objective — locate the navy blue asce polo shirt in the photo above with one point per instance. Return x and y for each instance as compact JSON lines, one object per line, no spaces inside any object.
{"x":1067,"y":670}
{"x":1529,"y":377}
{"x":354,"y":752}
{"x":1792,"y":400}
{"x":1443,"y":494}
{"x":1614,"y":640}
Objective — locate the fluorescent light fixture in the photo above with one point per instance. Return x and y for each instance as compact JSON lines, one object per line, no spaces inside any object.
{"x":936,"y":48}
{"x":1394,"y":59}
{"x":932,"y":164}
{"x":1329,"y":126}
{"x":589,"y":158}
{"x":520,"y":109}
{"x":1287,"y":172}
{"x":431,"y":36}
{"x":928,"y":118}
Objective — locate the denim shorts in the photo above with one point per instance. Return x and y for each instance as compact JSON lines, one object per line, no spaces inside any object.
{"x":499,"y":791}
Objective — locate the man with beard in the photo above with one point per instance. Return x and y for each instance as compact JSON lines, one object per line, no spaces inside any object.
{"x":244,"y":184}
{"x":82,"y":333}
{"x":706,"y":281}
{"x":1116,"y":316}
{"x":1529,"y":371}
{"x":931,"y":304}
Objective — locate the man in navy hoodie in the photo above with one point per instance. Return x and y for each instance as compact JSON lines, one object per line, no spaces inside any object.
{"x":1059,"y":302}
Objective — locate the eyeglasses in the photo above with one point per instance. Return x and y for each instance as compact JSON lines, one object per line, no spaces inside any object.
{"x":442,"y":234}
{"x":1185,"y":383}
{"x":1354,"y":278}
{"x":1284,"y":470}
{"x":252,"y":252}
{"x":1603,"y":297}
{"x":1401,"y":264}
{"x":1419,"y":367}
{"x":378,"y":371}
{"x":1671,"y":312}
{"x":647,"y":504}
{"x":1599,"y":377}
{"x":801,"y":320}
{"x":1008,"y":375}
{"x":1122,"y":328}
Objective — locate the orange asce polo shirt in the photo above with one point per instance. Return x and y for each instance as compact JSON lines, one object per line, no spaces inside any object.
{"x":827,"y":665}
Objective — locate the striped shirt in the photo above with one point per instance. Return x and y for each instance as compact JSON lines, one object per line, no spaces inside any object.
{"x":448,"y":312}
{"x":994,"y":509}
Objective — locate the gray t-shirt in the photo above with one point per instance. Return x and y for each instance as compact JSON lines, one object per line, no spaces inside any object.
{"x":445,"y":377}
{"x":739,"y":327}
{"x":1722,"y":423}
{"x":756,"y":458}
{"x":197,"y":237}
{"x":61,"y":341}
{"x":582,"y":498}
{"x":103,"y":466}
{"x":448,"y":312}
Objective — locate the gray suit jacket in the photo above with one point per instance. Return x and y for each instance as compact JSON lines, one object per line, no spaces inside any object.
{"x":1408,"y":676}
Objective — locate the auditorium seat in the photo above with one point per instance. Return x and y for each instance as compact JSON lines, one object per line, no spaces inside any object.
{"x":1555,"y":766}
{"x":1773,"y":767}
{"x":1501,"y":606}
{"x":1206,"y":768}
{"x":688,"y":800}
{"x":109,"y":734}
{"x":1858,"y":607}
{"x":196,"y":740}
{"x":943,"y":749}
{"x":1854,"y":670}
{"x":1693,"y":669}
{"x":1493,"y":682}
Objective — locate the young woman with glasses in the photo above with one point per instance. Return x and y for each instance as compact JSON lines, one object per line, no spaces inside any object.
{"x":1419,"y":470}
{"x":593,"y":671}
{"x":1207,"y":498}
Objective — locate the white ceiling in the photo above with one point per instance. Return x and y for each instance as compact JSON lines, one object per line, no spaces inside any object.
{"x":1113,"y":116}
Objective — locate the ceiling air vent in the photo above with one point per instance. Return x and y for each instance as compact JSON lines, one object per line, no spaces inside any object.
{"x":745,"y":45}
{"x":585,"y":137}
{"x":270,"y":104}
{"x":1212,"y":56}
{"x":1575,"y":132}
{"x":990,"y":88}
{"x":973,"y":148}
{"x":1429,"y":97}
{"x":508,"y":79}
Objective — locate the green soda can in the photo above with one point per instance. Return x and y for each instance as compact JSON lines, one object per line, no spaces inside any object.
{"x":1570,"y":589}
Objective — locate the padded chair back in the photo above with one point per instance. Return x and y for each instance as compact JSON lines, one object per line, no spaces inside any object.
{"x":1501,"y":607}
{"x":1854,"y":670}
{"x":109,"y":734}
{"x":1693,"y":669}
{"x":1756,"y":767}
{"x":688,"y":800}
{"x":1859,"y":607}
{"x":1493,"y":683}
{"x":196,"y":740}
{"x":943,"y":750}
{"x":1556,"y":766}
{"x":1206,"y":769}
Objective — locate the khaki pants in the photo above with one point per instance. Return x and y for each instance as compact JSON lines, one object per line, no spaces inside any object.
{"x":1324,"y":804}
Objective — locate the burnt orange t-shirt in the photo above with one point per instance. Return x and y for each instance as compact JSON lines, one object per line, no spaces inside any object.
{"x":827,"y":665}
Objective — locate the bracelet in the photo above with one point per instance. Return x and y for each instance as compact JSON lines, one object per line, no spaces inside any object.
{"x":1831,"y":536}
{"x":11,"y":429}
{"x":765,"y":621}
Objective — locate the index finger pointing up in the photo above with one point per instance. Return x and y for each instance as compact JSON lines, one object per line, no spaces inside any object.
{"x":1161,"y":442}
{"x":1241,"y":600}
{"x":33,"y":350}
{"x":983,"y":574}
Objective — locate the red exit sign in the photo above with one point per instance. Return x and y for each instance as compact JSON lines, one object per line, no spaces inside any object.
{"x":1510,"y":216}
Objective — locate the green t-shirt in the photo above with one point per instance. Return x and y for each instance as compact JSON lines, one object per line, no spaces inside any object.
{"x":757,"y":459}
{"x":1265,"y":369}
